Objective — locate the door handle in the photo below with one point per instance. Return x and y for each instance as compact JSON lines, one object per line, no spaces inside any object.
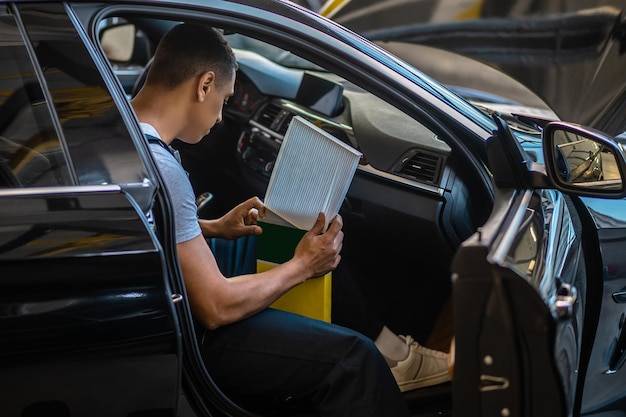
{"x":620,"y":296}
{"x":564,"y":303}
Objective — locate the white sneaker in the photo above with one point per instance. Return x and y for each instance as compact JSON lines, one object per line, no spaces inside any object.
{"x":422,"y":368}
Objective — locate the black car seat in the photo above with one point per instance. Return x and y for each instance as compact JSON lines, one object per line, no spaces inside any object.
{"x":141,"y":79}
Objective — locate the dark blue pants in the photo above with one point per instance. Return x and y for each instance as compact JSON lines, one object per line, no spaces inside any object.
{"x":288,"y":359}
{"x":276,"y":359}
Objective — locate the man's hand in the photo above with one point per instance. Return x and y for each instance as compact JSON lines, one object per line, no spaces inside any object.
{"x":319,"y":250}
{"x":240,"y":221}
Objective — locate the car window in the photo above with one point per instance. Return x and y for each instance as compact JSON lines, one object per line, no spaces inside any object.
{"x":270,"y":52}
{"x":92,"y":134}
{"x":30,"y":150}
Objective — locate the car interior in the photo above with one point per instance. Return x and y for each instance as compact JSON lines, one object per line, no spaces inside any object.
{"x":412,"y":200}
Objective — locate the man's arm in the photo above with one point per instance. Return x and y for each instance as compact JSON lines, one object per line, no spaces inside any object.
{"x":216,"y":300}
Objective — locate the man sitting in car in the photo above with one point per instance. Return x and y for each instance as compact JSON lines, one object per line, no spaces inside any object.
{"x":248,"y":348}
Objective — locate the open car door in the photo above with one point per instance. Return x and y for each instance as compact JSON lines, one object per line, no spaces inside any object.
{"x":88,"y":325}
{"x":518,"y":310}
{"x":520,"y":282}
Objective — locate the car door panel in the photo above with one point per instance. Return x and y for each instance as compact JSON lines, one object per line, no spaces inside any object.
{"x":603,"y":388}
{"x":519,"y":276}
{"x":96,"y":318}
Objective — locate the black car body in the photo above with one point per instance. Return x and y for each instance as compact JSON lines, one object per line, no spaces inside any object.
{"x":93,"y":312}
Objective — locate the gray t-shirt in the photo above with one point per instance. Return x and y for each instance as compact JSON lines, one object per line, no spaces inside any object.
{"x":178,"y":187}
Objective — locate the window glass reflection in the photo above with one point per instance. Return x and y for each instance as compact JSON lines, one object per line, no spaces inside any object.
{"x":30,"y":151}
{"x":582,"y":161}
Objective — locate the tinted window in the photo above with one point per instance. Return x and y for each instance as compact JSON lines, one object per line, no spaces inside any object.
{"x":30,"y":150}
{"x":94,"y":134}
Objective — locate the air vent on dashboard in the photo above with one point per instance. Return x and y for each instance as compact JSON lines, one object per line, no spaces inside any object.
{"x":423,"y":167}
{"x":269,"y":115}
{"x":275,"y":118}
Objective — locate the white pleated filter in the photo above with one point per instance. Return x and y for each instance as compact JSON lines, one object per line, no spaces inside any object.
{"x":312,"y":174}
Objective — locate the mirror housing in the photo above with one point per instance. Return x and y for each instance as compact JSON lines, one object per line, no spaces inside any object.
{"x":584,"y":161}
{"x":118,"y":42}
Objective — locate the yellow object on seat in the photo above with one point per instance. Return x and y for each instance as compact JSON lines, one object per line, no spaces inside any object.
{"x":312,"y":298}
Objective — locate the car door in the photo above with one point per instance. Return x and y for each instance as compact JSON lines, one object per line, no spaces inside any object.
{"x":606,"y":371}
{"x":519,"y":296}
{"x":87,"y":323}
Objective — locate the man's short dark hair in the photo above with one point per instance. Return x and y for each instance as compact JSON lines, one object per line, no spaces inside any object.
{"x":188,"y":50}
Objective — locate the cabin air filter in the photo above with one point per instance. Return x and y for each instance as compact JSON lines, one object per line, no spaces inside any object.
{"x":312,"y":174}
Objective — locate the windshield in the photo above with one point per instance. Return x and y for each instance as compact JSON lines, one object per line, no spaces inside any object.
{"x":271,"y":52}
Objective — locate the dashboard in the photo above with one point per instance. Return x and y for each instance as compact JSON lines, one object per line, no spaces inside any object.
{"x":267,"y":96}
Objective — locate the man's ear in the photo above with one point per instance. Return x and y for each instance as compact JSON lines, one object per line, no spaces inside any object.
{"x":206,"y":81}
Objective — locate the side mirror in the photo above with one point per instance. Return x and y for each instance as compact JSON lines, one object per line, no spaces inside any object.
{"x":118,"y":42}
{"x":584,"y":161}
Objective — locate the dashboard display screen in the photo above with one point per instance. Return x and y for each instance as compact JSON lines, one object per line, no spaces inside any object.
{"x":321,"y":95}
